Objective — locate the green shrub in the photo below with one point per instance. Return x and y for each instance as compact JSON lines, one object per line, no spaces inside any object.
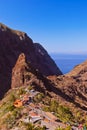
{"x":64,"y":114}
{"x":38,"y":98}
{"x":40,"y":128}
{"x":12,"y":97}
{"x":10,"y":107}
{"x":30,"y":87}
{"x":9,"y":121}
{"x":28,"y":126}
{"x":16,"y":113}
{"x":46,"y":108}
{"x":21,"y":91}
{"x":53,"y":106}
{"x":67,"y":128}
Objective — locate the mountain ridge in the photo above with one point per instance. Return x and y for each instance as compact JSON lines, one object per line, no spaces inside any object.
{"x":12,"y":44}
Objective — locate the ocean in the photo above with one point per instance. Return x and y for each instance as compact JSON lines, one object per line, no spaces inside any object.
{"x":66,"y":62}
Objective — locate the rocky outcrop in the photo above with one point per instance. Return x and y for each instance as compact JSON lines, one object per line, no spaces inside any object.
{"x":23,"y":74}
{"x":18,"y":72}
{"x":12,"y":44}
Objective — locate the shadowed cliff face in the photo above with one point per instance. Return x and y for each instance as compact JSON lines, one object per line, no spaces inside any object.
{"x":12,"y":44}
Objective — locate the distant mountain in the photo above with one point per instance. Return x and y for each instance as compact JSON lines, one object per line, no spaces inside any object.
{"x":12,"y":44}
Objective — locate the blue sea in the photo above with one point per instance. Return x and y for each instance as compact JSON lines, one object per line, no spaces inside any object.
{"x":66,"y":62}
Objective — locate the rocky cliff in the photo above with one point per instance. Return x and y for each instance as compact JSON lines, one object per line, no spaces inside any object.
{"x":12,"y":44}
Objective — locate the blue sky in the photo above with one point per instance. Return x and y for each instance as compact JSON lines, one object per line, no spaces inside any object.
{"x":59,"y":25}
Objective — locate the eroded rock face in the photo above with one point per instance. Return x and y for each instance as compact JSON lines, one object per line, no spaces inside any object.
{"x":18,"y":72}
{"x":23,"y":74}
{"x":12,"y":44}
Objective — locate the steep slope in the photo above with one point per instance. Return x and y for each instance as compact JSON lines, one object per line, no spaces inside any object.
{"x":79,"y":69}
{"x":12,"y":44}
{"x":73,"y":86}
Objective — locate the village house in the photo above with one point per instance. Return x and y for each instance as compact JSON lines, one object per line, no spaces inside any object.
{"x":33,"y":114}
{"x":24,"y":100}
{"x":18,"y":103}
{"x":34,"y":117}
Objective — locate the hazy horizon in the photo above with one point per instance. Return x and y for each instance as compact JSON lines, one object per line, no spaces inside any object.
{"x":66,"y":62}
